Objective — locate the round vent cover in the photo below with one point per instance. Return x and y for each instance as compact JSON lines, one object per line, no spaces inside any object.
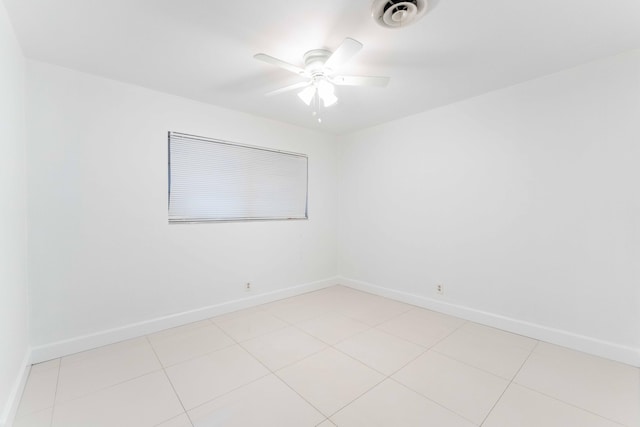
{"x":398,"y":13}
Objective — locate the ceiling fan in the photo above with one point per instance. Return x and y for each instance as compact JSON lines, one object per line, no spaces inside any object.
{"x":319,"y":70}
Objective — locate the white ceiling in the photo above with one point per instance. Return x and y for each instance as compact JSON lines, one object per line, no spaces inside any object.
{"x":203,"y":49}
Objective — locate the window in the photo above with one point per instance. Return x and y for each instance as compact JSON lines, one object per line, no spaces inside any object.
{"x":212,"y":180}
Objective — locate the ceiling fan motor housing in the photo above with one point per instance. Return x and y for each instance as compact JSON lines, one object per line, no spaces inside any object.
{"x":398,"y":13}
{"x":314,"y":60}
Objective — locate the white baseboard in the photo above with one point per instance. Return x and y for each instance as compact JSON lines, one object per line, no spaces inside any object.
{"x":609,"y":350}
{"x":86,"y":342}
{"x":11,"y":405}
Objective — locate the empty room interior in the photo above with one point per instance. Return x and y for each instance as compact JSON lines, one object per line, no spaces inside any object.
{"x":320,"y":213}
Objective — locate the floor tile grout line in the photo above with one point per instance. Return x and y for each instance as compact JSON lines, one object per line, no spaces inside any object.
{"x":150,"y":335}
{"x":328,"y":346}
{"x":261,"y":377}
{"x":432,"y":401}
{"x":382,"y":332}
{"x":370,"y":327}
{"x":509,"y":385}
{"x":175,"y":392}
{"x":426,"y":350}
{"x":423,"y":351}
{"x":110,"y":386}
{"x":389,"y":376}
{"x":301,"y":396}
{"x":257,"y":336}
{"x":569,"y":404}
{"x":239,"y":344}
{"x":463,"y":362}
{"x":325,"y":342}
{"x":137,"y":340}
{"x":379,"y":323}
{"x":512,"y":380}
{"x":304,"y":358}
{"x":198,"y":356}
{"x":333,"y":346}
{"x":358,"y":396}
{"x":272,"y":372}
{"x":501,"y":331}
{"x":173,"y":418}
{"x":101,"y":389}
{"x":299,"y":321}
{"x":158,"y":340}
{"x":438,"y":341}
{"x":55,"y":393}
{"x":19,"y":415}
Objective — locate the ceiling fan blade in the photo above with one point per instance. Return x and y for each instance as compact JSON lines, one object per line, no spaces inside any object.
{"x":360,"y":81}
{"x":278,"y":63}
{"x":287,"y":88}
{"x":343,"y":53}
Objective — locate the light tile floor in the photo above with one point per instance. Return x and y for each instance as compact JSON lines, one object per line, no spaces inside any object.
{"x":335,"y":357}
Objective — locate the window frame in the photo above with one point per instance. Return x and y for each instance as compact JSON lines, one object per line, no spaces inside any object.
{"x":239,"y":145}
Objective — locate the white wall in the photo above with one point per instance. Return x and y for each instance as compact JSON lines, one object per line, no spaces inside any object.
{"x":102,"y":254}
{"x":14,"y":343}
{"x":524,"y":203}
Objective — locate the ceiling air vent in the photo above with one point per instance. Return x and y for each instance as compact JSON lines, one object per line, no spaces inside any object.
{"x":398,"y":13}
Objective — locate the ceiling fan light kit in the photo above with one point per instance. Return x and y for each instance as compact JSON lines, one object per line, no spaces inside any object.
{"x":398,"y":13}
{"x":307,"y":94}
{"x":320,"y":65}
{"x":319,"y":70}
{"x":326,"y":92}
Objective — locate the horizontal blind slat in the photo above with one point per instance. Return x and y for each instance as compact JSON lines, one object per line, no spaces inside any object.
{"x":214,"y":180}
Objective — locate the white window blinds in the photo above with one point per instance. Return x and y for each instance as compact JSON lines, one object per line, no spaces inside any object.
{"x":211,"y":180}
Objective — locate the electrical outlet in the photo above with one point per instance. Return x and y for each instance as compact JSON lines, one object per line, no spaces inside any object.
{"x":440,"y":289}
{"x":247,"y":287}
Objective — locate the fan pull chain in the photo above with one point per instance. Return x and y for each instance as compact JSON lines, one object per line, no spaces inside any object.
{"x":316,"y":106}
